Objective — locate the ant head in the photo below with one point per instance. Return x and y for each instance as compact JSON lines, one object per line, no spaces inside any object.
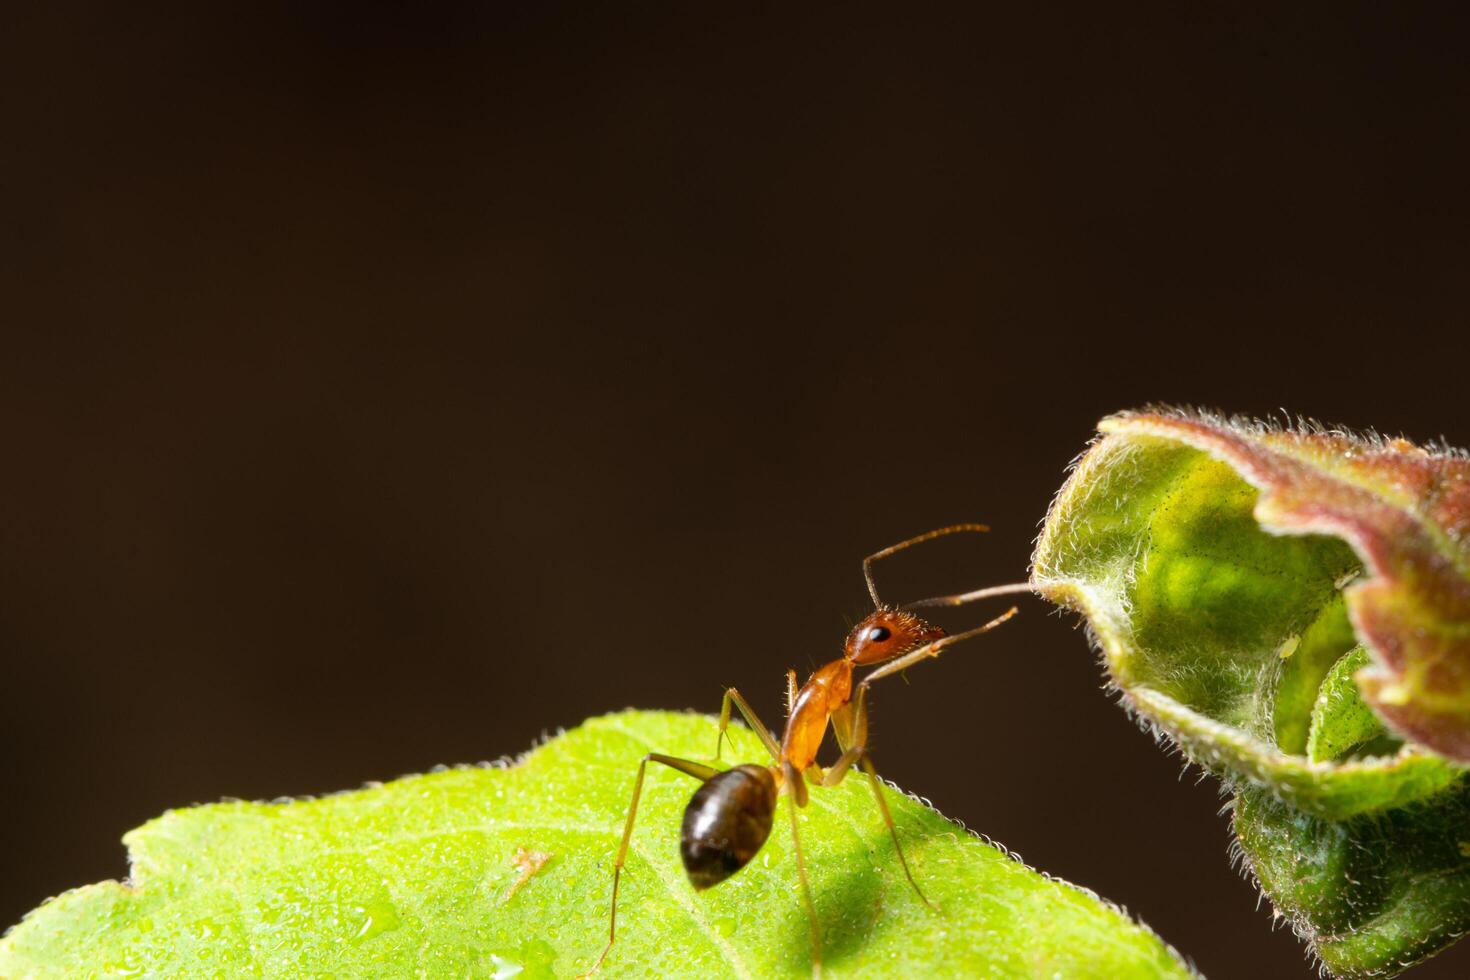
{"x":888,"y":633}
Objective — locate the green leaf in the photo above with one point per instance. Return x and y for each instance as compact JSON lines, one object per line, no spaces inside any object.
{"x":1373,"y":894}
{"x":1242,"y":584}
{"x":418,"y":878}
{"x":1341,"y":719}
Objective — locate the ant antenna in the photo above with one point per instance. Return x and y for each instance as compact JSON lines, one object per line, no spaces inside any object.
{"x":893,"y":549}
{"x":964,"y":597}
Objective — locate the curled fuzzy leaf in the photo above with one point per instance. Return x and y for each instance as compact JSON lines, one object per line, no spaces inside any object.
{"x":1406,"y":513}
{"x":1269,"y":600}
{"x":1217,"y":630}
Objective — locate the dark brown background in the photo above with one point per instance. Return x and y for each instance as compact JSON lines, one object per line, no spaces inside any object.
{"x":383,"y":389}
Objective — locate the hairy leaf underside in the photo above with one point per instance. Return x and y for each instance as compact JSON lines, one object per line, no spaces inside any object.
{"x":1293,"y":610}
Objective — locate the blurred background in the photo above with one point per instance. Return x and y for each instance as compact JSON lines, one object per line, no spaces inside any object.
{"x":385,"y":386}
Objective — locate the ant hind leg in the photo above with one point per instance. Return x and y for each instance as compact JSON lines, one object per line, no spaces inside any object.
{"x":700,"y":772}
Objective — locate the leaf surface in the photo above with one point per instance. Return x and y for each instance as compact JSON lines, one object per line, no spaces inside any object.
{"x":1342,"y":722}
{"x":1269,"y":600}
{"x":418,"y":877}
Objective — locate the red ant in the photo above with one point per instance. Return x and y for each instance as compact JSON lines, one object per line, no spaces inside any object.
{"x":730,"y":816}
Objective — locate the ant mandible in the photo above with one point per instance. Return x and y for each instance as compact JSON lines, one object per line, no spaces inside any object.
{"x":730,"y":816}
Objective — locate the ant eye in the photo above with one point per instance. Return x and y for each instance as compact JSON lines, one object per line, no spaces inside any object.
{"x":878,"y":634}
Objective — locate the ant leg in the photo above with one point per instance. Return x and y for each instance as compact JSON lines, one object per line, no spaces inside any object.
{"x":850,"y":725}
{"x":838,"y":772}
{"x":857,"y":751}
{"x":750,"y":719}
{"x":700,"y":772}
{"x":932,"y":649}
{"x":794,"y":779}
{"x":895,"y":548}
{"x":877,"y":784}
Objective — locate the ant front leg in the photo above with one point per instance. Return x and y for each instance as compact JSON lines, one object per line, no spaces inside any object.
{"x":852,"y":734}
{"x":700,"y":772}
{"x":732,"y":695}
{"x":932,"y":649}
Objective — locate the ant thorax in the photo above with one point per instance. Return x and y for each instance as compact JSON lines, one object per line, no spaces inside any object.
{"x":825,"y":691}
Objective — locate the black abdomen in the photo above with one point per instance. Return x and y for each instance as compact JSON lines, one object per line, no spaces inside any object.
{"x":726,"y":822}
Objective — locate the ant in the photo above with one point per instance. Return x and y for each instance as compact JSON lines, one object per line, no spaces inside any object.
{"x":730,"y":816}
